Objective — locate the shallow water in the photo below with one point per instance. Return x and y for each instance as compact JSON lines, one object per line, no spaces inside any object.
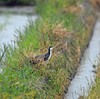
{"x":8,"y":25}
{"x":85,"y":76}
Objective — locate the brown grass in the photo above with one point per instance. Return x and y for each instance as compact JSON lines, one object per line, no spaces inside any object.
{"x":95,"y":4}
{"x":76,"y":9}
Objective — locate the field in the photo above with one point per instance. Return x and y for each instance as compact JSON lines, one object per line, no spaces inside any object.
{"x":58,"y":26}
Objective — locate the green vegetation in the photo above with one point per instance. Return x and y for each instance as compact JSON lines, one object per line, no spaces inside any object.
{"x":95,"y":91}
{"x":66,"y":33}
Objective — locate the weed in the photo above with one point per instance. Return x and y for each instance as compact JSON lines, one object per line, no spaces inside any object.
{"x":48,"y":79}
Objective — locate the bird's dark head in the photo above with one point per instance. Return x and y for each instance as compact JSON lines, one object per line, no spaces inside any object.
{"x":50,"y":48}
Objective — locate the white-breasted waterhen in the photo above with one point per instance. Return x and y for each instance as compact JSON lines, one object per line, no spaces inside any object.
{"x":43,"y":57}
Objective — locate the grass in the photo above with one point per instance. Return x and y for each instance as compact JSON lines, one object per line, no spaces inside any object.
{"x":66,"y":33}
{"x":95,"y":91}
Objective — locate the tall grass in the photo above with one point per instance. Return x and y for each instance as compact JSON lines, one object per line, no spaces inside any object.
{"x":95,"y":91}
{"x":50,"y":79}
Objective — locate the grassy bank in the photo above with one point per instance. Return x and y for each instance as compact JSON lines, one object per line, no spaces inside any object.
{"x":95,"y":91}
{"x":57,"y":27}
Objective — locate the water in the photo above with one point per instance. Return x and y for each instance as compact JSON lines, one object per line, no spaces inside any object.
{"x":8,"y":25}
{"x":18,"y":10}
{"x":85,"y":76}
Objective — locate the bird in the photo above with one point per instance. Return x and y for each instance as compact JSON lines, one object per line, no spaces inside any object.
{"x":43,"y":57}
